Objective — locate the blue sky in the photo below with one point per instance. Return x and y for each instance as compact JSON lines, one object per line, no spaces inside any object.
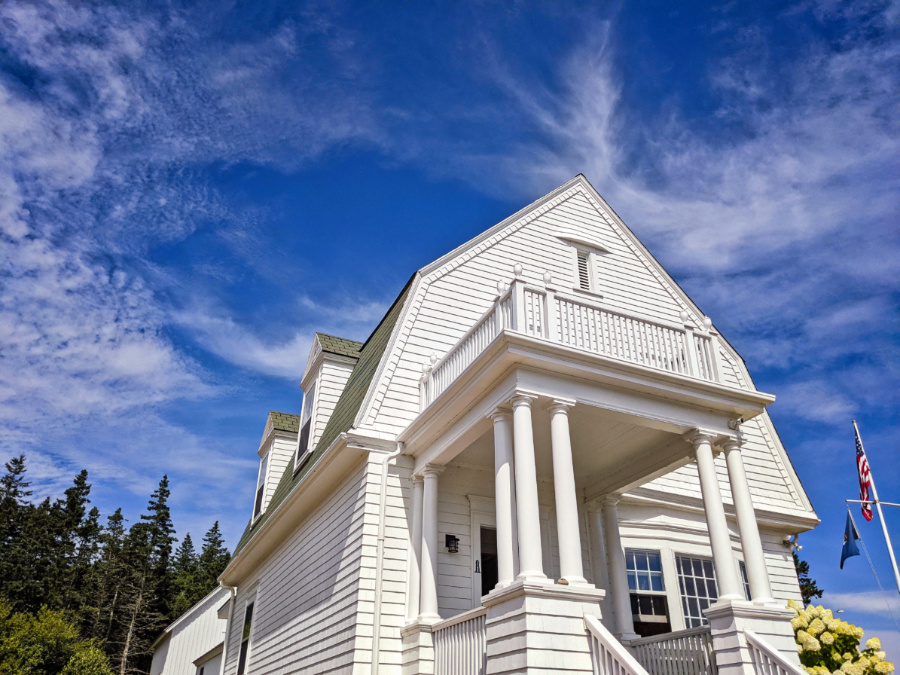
{"x":188,"y":191}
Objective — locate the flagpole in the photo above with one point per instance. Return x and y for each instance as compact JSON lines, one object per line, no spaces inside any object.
{"x":887,"y":538}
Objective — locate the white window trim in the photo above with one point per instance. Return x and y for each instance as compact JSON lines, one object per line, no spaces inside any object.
{"x":265,"y":480}
{"x":251,"y":599}
{"x":300,"y":457}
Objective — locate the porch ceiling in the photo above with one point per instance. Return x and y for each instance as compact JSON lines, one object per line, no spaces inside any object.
{"x":611,"y":451}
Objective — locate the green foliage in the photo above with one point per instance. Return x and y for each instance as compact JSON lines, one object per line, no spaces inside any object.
{"x":82,"y":598}
{"x":831,"y":646}
{"x":808,"y":588}
{"x":45,"y":643}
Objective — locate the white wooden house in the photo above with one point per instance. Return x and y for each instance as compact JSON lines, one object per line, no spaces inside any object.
{"x":544,"y":458}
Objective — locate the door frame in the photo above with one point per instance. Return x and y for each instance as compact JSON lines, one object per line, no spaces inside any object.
{"x":482,"y":513}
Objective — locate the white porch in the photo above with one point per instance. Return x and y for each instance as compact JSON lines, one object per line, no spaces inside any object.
{"x":531,"y":428}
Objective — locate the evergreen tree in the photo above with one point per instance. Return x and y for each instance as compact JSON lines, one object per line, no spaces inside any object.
{"x":108,"y":576}
{"x":184,"y":572}
{"x":808,"y":587}
{"x":214,"y":558}
{"x":13,"y":509}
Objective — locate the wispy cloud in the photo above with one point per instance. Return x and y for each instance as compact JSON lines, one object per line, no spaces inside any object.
{"x":104,"y":112}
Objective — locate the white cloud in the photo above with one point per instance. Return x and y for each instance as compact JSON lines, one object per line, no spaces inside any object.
{"x":879,"y":603}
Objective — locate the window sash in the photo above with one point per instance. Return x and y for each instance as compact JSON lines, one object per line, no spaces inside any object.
{"x":699,"y":589}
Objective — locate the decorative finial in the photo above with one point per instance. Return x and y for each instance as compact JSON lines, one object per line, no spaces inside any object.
{"x":548,"y":278}
{"x":707,"y":323}
{"x":684,"y":316}
{"x":434,"y":358}
{"x":517,"y":270}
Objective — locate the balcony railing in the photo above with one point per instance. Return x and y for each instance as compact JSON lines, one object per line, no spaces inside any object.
{"x":687,"y":652}
{"x":459,"y":644}
{"x":582,"y":324}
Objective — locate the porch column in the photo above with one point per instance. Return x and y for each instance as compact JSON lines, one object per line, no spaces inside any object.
{"x":751,"y":544}
{"x":571,"y":568}
{"x":719,"y":538}
{"x":618,"y":577}
{"x":504,"y":497}
{"x":528,"y":514}
{"x":415,"y":537}
{"x":429,"y":607}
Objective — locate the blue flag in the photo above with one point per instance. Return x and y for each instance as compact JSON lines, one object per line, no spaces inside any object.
{"x":850,"y":536}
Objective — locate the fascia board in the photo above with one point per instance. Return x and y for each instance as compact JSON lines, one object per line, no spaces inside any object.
{"x":333,"y":466}
{"x":520,"y":349}
{"x":776,"y":520}
{"x":487,"y":234}
{"x":399,"y":325}
{"x":189,"y":613}
{"x":215,"y":651}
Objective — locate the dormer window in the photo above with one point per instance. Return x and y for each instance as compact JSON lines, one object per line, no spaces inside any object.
{"x":309,"y":402}
{"x":260,"y":485}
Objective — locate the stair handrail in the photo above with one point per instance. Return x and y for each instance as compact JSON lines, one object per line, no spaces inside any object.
{"x":785,"y":666}
{"x":613,"y":647}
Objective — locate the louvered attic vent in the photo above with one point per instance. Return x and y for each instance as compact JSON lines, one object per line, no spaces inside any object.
{"x":584,"y":277}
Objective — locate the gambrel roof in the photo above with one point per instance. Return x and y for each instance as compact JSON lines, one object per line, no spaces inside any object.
{"x":386,"y":356}
{"x":341,"y":420}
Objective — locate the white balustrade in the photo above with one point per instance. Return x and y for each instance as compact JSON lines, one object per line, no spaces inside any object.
{"x":580,"y":324}
{"x":610,"y":657}
{"x":685,"y":652}
{"x":459,"y":644}
{"x":766,"y":659}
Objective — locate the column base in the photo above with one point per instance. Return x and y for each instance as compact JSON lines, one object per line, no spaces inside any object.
{"x":536,"y":627}
{"x":417,"y":656}
{"x":728,"y":619}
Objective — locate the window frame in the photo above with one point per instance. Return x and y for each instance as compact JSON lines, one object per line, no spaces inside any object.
{"x":246,"y":640}
{"x":638,"y":618}
{"x":262,"y":478}
{"x":310,"y":402}
{"x":690,"y":619}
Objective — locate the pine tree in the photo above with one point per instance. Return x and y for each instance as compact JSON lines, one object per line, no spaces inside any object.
{"x":808,"y":587}
{"x":214,"y":558}
{"x":184,"y":572}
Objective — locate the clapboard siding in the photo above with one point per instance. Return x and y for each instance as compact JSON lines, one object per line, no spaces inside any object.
{"x":330,"y":385}
{"x":195,"y":633}
{"x":281,"y":453}
{"x":309,"y":591}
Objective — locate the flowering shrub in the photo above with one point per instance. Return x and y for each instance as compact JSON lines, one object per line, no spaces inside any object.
{"x":830,"y":646}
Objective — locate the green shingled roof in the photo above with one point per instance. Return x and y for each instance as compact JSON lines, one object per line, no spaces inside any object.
{"x":339,"y":345}
{"x":285,"y":421}
{"x":345,"y":411}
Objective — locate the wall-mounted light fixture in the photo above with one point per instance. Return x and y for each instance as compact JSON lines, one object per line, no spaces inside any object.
{"x":452,"y":543}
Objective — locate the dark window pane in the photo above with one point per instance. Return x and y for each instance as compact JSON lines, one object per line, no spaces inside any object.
{"x":708,"y":569}
{"x":646,"y":604}
{"x":657,"y":582}
{"x":634,"y":604}
{"x":304,"y":437}
{"x":660,"y":606}
{"x":632,"y":581}
{"x":698,"y":567}
{"x":711,"y":589}
{"x":694,"y":608}
{"x":655,"y":562}
{"x":643,"y":581}
{"x":689,"y":586}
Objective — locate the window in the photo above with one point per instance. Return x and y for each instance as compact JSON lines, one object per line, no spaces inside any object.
{"x":309,"y":401}
{"x":584,"y":270}
{"x":245,"y":639}
{"x":649,"y":607}
{"x":746,"y":580}
{"x":260,"y":485}
{"x":697,"y":580}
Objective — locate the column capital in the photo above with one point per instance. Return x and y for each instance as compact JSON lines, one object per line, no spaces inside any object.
{"x":560,"y":405}
{"x":434,"y":470}
{"x":610,"y":500}
{"x":698,"y":435}
{"x":521,"y":398}
{"x":416,"y":478}
{"x":500,"y":414}
{"x":732,"y":442}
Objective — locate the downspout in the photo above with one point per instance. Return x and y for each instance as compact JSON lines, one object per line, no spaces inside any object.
{"x":379,"y":557}
{"x":231,"y":603}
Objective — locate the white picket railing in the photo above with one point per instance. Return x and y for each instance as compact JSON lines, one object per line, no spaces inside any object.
{"x":609,"y":656}
{"x":581,"y":324}
{"x":767,"y":660}
{"x":683,"y":652}
{"x":459,"y":644}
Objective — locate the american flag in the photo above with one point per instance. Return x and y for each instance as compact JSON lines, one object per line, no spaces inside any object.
{"x":865,"y":480}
